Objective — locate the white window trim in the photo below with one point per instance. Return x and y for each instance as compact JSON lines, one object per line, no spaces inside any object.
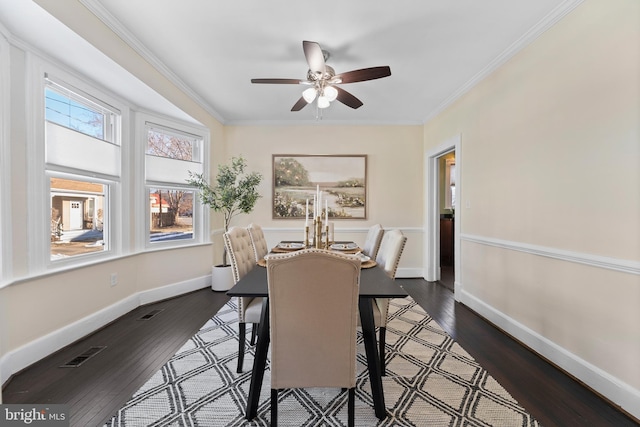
{"x":38,"y":197}
{"x":200,"y":216}
{"x":6,"y":260}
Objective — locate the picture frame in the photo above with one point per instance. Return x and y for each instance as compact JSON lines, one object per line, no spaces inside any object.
{"x":341,"y":178}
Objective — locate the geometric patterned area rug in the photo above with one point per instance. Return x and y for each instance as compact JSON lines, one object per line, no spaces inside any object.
{"x":430,"y":381}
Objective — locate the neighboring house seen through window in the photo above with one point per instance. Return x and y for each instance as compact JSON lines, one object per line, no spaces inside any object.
{"x":77,"y":217}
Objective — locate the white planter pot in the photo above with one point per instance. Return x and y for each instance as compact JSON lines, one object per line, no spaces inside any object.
{"x":221,"y":278}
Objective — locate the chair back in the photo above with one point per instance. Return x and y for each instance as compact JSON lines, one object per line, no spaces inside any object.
{"x":390,"y":251}
{"x":238,"y":244}
{"x":313,"y":299}
{"x":372,"y":243}
{"x":258,"y":242}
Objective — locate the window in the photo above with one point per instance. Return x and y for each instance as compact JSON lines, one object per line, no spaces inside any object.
{"x":67,"y":109}
{"x":171,"y":214}
{"x":77,"y":217}
{"x":172,"y":151}
{"x":450,"y":183}
{"x":82,"y":173}
{"x":172,"y":144}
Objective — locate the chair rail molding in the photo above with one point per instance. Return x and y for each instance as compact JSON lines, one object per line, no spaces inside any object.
{"x":620,"y":265}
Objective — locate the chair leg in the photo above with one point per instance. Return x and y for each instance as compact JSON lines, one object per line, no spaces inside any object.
{"x":381,"y":341}
{"x":254,"y":333}
{"x":241,"y":339}
{"x":274,"y":407}
{"x":351,"y":407}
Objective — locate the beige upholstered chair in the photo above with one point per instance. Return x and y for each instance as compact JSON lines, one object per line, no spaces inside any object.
{"x":372,"y":243}
{"x":259,"y":243}
{"x":388,"y":258}
{"x":238,"y":244}
{"x":313,"y":344}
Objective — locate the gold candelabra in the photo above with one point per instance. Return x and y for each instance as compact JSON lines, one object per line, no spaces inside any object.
{"x":326,"y":237}
{"x":306,"y":236}
{"x":317,"y":240}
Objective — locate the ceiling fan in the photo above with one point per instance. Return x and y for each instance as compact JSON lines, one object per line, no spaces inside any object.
{"x":323,"y":79}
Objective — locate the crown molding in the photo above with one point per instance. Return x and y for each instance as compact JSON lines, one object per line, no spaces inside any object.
{"x":526,"y":39}
{"x":110,"y":21}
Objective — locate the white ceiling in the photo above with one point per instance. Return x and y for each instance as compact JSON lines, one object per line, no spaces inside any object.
{"x":437,"y":49}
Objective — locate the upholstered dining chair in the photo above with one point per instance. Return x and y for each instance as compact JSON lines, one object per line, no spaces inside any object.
{"x":258,"y":241}
{"x":313,"y":344}
{"x":388,"y":258}
{"x":238,"y":244}
{"x":372,"y":242}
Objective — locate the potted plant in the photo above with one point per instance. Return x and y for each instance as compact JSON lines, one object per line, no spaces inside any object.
{"x":235,"y":192}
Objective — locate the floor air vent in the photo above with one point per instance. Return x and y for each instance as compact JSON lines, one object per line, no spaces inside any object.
{"x":80,"y":359}
{"x":149,"y":315}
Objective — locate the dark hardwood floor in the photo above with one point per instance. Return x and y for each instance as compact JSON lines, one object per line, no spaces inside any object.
{"x":135,"y":349}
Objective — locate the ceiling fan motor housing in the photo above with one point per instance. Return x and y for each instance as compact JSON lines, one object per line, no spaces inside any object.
{"x":314,"y":76}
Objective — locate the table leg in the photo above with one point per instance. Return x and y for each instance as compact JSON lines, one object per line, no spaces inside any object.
{"x":259,"y":362}
{"x":373,"y":362}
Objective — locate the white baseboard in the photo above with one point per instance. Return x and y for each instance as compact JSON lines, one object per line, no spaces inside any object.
{"x":409,"y":273}
{"x":612,"y":388}
{"x":174,"y":289}
{"x":20,"y":358}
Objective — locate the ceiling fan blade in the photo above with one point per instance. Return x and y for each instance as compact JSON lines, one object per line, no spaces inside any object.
{"x":315,"y":57}
{"x":278,"y":81}
{"x":299,"y":105}
{"x":364,"y":74}
{"x":347,"y":99}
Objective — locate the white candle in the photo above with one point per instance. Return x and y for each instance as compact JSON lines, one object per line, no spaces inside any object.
{"x":326,"y":208}
{"x":306,"y":220}
{"x":315,"y":205}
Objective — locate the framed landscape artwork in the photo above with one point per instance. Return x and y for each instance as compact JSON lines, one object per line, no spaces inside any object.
{"x":341,"y":178}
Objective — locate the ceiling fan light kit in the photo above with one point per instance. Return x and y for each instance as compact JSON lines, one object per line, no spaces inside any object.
{"x":309,"y":94}
{"x":322,"y":79}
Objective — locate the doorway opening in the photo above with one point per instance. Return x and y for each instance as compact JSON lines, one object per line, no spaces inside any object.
{"x":443,"y":165}
{"x":446,"y":209}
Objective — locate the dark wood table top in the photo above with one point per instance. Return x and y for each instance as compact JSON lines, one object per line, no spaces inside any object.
{"x":374,"y":283}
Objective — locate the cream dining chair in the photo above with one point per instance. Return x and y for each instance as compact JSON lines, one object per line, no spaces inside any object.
{"x":238,"y":244}
{"x":388,"y":258}
{"x":313,"y":344}
{"x":258,"y":241}
{"x":372,"y":242}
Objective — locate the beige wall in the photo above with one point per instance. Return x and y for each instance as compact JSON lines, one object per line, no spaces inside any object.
{"x":394,"y":176}
{"x":551,"y":166}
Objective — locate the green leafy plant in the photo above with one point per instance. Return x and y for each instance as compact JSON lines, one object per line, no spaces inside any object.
{"x":235,"y":191}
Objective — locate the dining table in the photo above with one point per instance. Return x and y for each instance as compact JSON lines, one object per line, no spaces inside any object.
{"x":374,"y":283}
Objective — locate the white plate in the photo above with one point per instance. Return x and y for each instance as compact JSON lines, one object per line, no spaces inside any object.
{"x":363,"y":257}
{"x":344,"y":246}
{"x":292,"y":245}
